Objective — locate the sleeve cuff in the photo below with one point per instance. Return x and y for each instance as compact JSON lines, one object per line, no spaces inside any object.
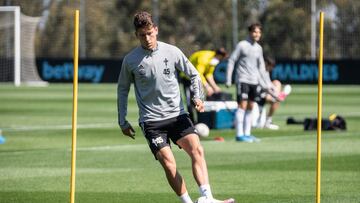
{"x":124,"y":125}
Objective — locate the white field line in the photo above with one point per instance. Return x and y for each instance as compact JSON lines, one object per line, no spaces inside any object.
{"x":132,"y":147}
{"x":16,"y":173}
{"x":60,"y":127}
{"x":115,"y":125}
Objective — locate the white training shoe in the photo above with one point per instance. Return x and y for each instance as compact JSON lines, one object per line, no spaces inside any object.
{"x":206,"y":200}
{"x":230,"y":200}
{"x":272,"y":126}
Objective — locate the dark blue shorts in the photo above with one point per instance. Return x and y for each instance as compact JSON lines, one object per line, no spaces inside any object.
{"x":159,"y":133}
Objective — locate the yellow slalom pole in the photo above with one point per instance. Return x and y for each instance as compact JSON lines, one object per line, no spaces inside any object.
{"x":74,"y":113}
{"x":320,"y":76}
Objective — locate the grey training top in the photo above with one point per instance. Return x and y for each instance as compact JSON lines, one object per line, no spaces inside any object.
{"x":250,"y":66}
{"x":154,"y":75}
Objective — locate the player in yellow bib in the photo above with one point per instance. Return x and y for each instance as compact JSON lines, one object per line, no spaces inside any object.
{"x":205,"y":62}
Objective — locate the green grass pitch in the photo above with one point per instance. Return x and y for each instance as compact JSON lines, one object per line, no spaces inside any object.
{"x":35,"y":160}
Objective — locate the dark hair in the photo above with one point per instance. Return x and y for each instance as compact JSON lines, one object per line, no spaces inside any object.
{"x":221,"y":51}
{"x":143,"y":19}
{"x":269,"y":63}
{"x":253,"y":26}
{"x":269,"y":60}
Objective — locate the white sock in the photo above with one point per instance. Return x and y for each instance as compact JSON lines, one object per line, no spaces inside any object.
{"x":247,"y":122}
{"x":239,"y":121}
{"x":205,"y":191}
{"x":257,"y":116}
{"x":262,"y":117}
{"x":269,"y":120}
{"x":185,"y":198}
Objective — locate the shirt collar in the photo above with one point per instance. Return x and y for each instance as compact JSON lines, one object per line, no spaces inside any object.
{"x":150,"y":51}
{"x":251,"y":41}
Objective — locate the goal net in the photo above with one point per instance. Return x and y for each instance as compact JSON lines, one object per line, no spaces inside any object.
{"x":17,"y":47}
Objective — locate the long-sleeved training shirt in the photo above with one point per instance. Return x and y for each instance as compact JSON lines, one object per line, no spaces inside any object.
{"x":248,"y":60}
{"x":154,"y":75}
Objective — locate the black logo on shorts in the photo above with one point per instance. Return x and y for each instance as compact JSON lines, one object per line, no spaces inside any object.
{"x":157,"y":141}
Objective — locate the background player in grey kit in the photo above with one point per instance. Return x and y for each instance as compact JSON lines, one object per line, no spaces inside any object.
{"x":250,"y":72}
{"x":152,"y":68}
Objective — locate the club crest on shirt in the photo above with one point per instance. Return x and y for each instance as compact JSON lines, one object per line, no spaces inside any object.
{"x":167,"y":69}
{"x":141,"y":70}
{"x":166,"y":62}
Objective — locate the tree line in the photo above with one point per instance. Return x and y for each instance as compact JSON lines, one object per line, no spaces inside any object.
{"x":107,"y":30}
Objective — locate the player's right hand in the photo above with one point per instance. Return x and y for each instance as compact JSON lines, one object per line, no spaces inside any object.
{"x":129,"y":131}
{"x":199,"y":105}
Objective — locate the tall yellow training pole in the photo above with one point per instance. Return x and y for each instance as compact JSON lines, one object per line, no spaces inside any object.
{"x":74,"y":113}
{"x":320,"y":75}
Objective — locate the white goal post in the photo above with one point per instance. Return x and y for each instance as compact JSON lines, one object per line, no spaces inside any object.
{"x":17,"y":47}
{"x":17,"y":40}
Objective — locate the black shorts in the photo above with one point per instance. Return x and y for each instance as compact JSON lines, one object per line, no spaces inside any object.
{"x":261,"y":96}
{"x":245,"y":91}
{"x":159,"y":133}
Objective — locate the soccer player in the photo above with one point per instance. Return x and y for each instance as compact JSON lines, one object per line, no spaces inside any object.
{"x":152,"y":68}
{"x":248,"y":60}
{"x":205,"y":62}
{"x":260,"y":119}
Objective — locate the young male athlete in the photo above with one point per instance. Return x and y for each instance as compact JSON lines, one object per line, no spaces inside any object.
{"x":247,"y":58}
{"x":261,"y":119}
{"x":152,"y":68}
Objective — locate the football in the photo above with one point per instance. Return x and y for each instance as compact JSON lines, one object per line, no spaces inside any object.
{"x":287,"y":89}
{"x":202,"y":129}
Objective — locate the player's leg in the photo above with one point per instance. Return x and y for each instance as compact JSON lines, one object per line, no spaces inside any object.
{"x":248,"y":118}
{"x":242,"y":120}
{"x":239,"y":117}
{"x":156,"y":134}
{"x":256,"y":111}
{"x":167,"y":161}
{"x":253,"y":94}
{"x":274,"y":105}
{"x":191,"y":144}
{"x":260,"y":114}
{"x":182,"y":132}
{"x":242,"y":99}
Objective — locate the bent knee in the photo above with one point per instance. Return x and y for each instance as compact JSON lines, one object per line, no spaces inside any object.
{"x":167,"y":160}
{"x":277,"y":84}
{"x":197,"y":152}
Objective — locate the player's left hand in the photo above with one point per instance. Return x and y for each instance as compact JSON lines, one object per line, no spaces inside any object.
{"x":199,"y":105}
{"x":272,"y":92}
{"x":129,"y":131}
